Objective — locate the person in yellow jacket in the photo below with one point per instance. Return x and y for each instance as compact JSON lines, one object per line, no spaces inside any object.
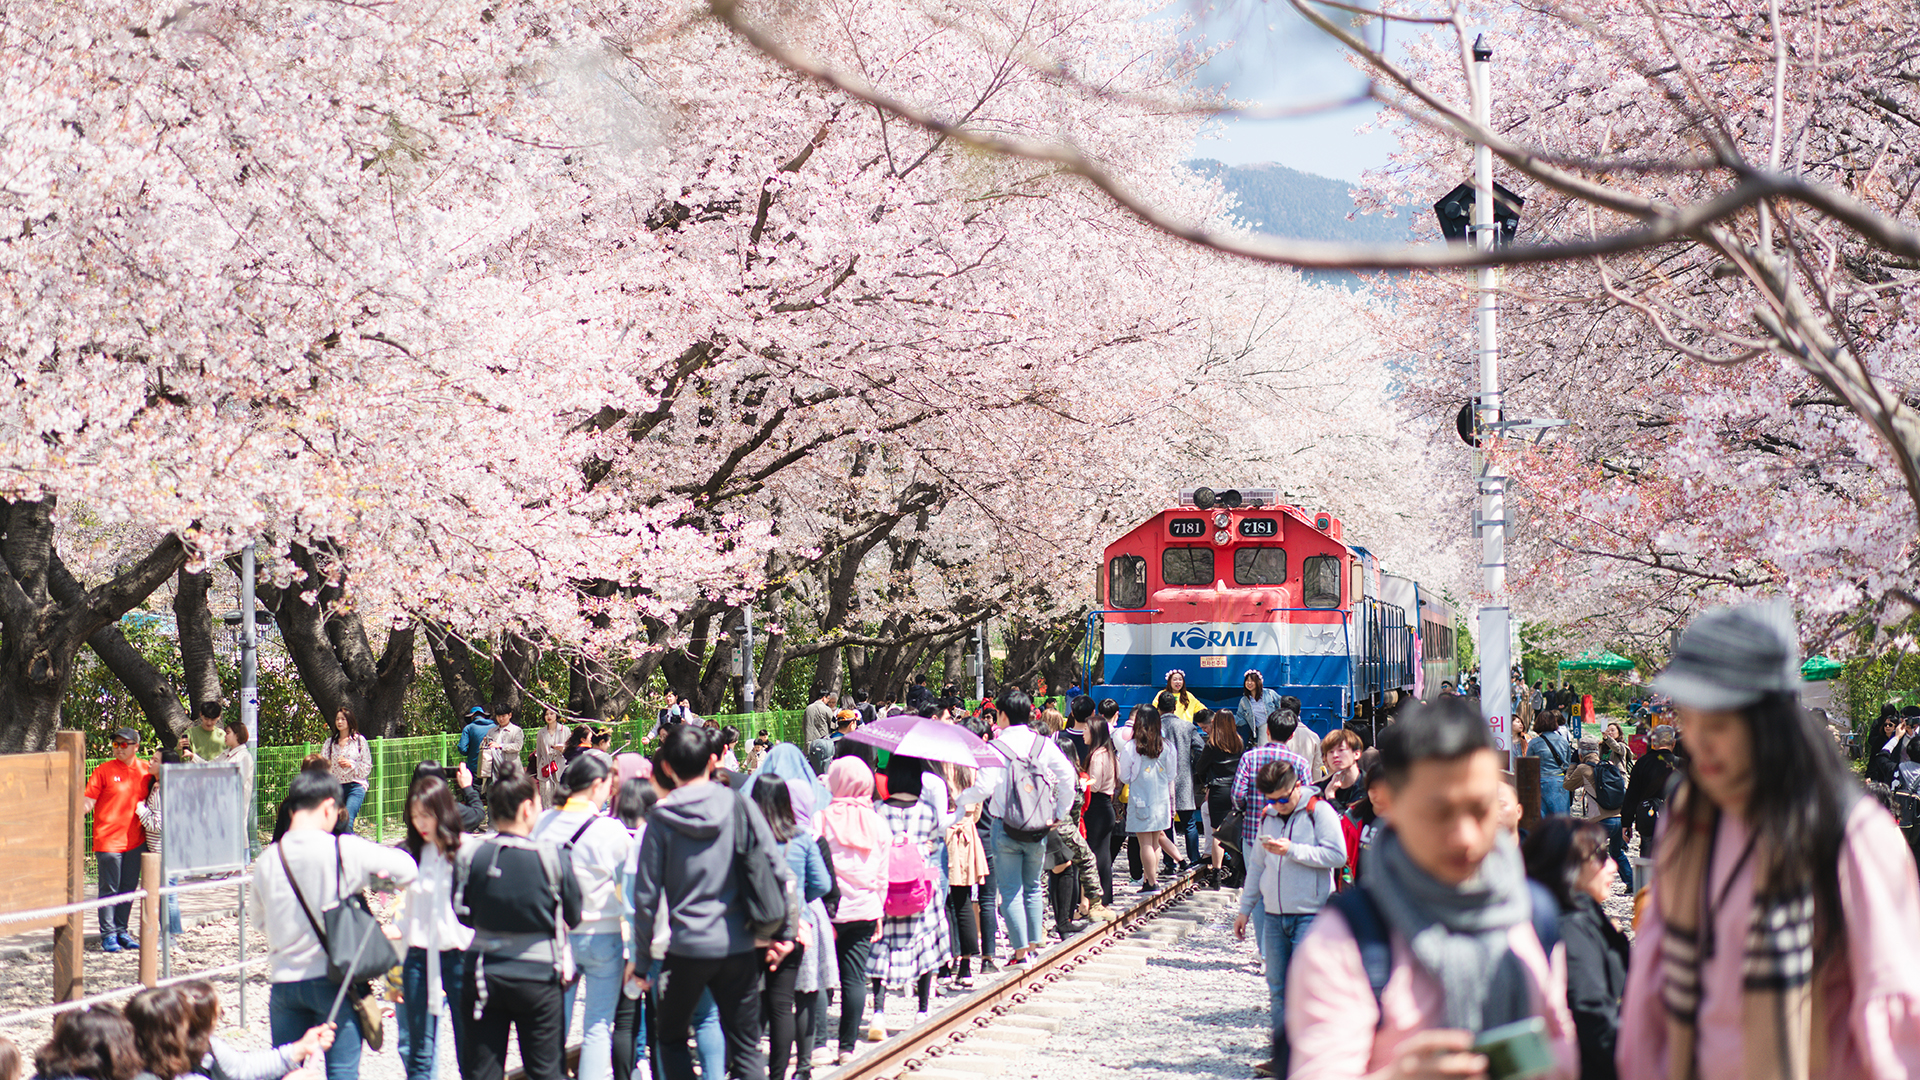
{"x":1185,"y":705}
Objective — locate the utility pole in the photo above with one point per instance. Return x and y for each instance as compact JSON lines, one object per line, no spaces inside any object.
{"x":1496,"y":686}
{"x":746,"y":660}
{"x":980,"y":661}
{"x":249,"y":679}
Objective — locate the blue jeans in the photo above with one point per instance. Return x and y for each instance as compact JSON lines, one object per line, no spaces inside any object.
{"x":356,"y":794}
{"x":293,"y":1007}
{"x":419,"y":1028}
{"x":1283,"y":934}
{"x":1017,"y":872}
{"x":601,"y":962}
{"x":986,"y":889}
{"x":1555,"y":799}
{"x":1617,"y":847}
{"x":1188,"y":823}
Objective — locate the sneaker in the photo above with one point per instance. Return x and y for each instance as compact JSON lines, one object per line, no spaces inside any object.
{"x":110,"y":943}
{"x":919,"y":1018}
{"x":988,"y":967}
{"x":844,"y":1057}
{"x":129,"y":943}
{"x":1102,"y":913}
{"x":964,"y":983}
{"x":876,"y":1028}
{"x":1265,"y":1068}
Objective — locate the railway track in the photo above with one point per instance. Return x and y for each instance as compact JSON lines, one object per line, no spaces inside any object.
{"x":937,"y":1048}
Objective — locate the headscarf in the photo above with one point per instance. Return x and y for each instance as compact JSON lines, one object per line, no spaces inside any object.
{"x":800,"y":794}
{"x":788,"y":762}
{"x":849,"y":819}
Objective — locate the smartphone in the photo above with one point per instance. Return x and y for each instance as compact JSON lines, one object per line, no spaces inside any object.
{"x":1516,"y":1051}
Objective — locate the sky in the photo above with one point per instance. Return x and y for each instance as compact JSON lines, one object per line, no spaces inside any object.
{"x":1278,"y":60}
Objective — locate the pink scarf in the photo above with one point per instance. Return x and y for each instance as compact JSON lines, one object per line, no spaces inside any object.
{"x":849,"y":819}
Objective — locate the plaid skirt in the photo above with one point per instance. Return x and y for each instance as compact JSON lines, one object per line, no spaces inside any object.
{"x":912,"y":945}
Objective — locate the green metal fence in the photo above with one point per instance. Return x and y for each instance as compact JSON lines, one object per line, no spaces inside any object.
{"x":393,"y":761}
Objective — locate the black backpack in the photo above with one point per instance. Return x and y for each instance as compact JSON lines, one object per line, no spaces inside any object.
{"x":1376,"y":951}
{"x":764,"y":897}
{"x":1609,"y":785}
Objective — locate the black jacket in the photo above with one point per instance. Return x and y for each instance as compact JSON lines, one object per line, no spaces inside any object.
{"x":1596,"y":981}
{"x":1647,"y":784}
{"x":1213,"y":765}
{"x":473,"y":816}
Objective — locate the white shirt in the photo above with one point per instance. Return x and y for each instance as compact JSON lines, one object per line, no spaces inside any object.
{"x":427,"y":921}
{"x":295,"y":951}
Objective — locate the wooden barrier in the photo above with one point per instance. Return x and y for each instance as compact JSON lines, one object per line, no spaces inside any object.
{"x":44,"y":849}
{"x":1526,"y":782}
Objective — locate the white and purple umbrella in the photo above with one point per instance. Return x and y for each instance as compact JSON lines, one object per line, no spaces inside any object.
{"x":930,"y":740}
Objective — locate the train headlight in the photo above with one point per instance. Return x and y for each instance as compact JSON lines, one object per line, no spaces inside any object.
{"x":1221,"y":519}
{"x":1223,"y":537}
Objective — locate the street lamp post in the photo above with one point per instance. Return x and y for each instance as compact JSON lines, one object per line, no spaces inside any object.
{"x":1496,"y":688}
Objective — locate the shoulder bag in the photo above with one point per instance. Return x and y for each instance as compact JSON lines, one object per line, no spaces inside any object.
{"x":357,"y":951}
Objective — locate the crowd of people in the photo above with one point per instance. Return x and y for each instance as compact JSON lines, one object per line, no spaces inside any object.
{"x":704,"y":910}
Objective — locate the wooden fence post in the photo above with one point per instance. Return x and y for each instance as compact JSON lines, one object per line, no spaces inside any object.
{"x":150,"y":918}
{"x":69,"y":938}
{"x":1526,"y":780}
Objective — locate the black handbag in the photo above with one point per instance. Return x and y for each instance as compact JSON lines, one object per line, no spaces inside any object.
{"x":356,"y":948}
{"x":1227,"y":833}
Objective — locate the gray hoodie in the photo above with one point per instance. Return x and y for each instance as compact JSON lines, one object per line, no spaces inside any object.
{"x":686,"y":863}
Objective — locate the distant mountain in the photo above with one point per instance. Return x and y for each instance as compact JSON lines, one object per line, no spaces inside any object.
{"x":1279,"y":201}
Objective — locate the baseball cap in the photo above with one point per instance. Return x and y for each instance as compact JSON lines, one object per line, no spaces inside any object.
{"x":1730,"y":657}
{"x":476,"y":711}
{"x":126,"y":735}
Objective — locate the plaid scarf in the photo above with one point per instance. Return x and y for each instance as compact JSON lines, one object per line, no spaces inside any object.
{"x":1779,"y":1004}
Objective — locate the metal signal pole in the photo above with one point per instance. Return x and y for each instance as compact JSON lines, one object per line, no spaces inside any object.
{"x":1496,"y":686}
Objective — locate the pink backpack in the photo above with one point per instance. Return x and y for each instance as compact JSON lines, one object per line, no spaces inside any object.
{"x":909,"y":880}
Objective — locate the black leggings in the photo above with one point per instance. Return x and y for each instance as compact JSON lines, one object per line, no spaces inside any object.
{"x":789,"y":1015}
{"x":1099,"y":822}
{"x":965,"y":924}
{"x":852,"y":946}
{"x":1063,"y":890}
{"x":923,"y":989}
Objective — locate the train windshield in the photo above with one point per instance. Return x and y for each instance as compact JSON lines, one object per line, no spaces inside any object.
{"x":1320,"y":581}
{"x":1187,"y":566}
{"x":1260,"y":566}
{"x":1127,"y":582}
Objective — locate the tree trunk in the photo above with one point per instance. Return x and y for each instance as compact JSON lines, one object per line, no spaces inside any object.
{"x":717,"y":684}
{"x":826,"y":673}
{"x":771,"y":661}
{"x":953,"y":660}
{"x":454,"y":663}
{"x":330,"y":651}
{"x":194,"y":620}
{"x":40,"y":636}
{"x":156,"y":695}
{"x":513,"y":667}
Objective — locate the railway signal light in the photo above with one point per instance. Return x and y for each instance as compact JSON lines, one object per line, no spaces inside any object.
{"x":1455,"y":211}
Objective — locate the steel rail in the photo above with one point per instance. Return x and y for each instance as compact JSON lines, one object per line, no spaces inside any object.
{"x":946,"y":1031}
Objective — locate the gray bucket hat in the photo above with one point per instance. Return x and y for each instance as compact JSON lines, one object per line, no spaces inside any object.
{"x":1731,"y":656}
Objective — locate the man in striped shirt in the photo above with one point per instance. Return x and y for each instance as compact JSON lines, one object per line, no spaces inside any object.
{"x":1281,"y":724}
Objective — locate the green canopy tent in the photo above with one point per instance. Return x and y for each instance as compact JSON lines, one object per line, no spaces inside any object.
{"x":1820,"y":668}
{"x":1597,"y":660}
